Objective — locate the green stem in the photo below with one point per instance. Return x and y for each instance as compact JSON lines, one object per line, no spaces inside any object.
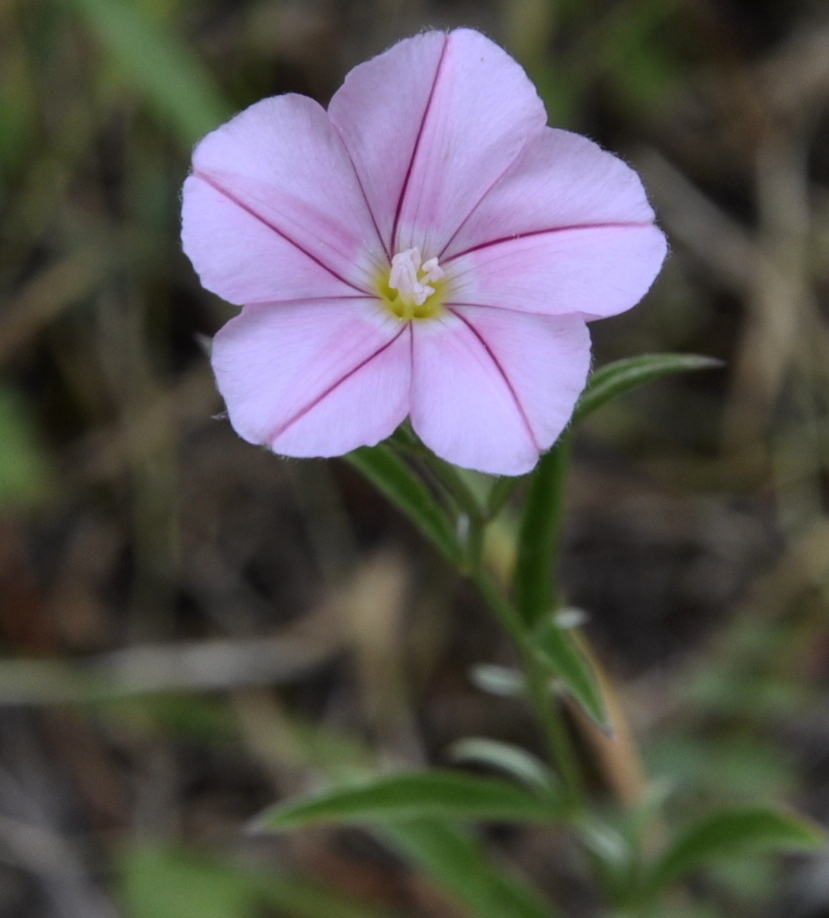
{"x":503,"y":611}
{"x":555,"y":730}
{"x":535,"y":593}
{"x":475,"y":544}
{"x":557,"y":738}
{"x":533,"y":582}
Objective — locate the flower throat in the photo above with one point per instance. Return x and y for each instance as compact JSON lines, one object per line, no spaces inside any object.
{"x":413,"y":289}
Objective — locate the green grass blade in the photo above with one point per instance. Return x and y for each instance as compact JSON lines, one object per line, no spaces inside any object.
{"x":157,"y":65}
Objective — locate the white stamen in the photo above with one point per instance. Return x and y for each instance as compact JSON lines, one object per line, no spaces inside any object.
{"x":410,"y":277}
{"x":432,"y":270}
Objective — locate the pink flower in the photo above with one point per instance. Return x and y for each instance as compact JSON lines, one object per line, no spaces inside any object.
{"x":426,"y":247}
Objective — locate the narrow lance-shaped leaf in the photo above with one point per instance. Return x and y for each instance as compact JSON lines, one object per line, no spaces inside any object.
{"x":390,"y":475}
{"x":541,"y":520}
{"x":459,"y":864}
{"x":507,"y":758}
{"x":561,"y":653}
{"x":538,"y":537}
{"x":623,"y":375}
{"x":497,"y":680}
{"x":410,"y":795}
{"x":733,"y":832}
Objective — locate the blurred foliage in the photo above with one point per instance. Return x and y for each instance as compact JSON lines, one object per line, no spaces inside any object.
{"x":161,"y":883}
{"x":140,"y":41}
{"x":135,"y":528}
{"x":24,"y":473}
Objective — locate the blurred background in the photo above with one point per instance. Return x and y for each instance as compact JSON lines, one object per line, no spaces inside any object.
{"x":191,"y":628}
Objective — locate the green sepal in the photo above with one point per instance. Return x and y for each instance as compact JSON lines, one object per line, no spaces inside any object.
{"x":396,"y":481}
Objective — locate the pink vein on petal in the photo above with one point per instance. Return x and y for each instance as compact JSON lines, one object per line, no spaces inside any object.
{"x":507,"y":382}
{"x":386,"y":251}
{"x":323,"y":395}
{"x":249,"y":210}
{"x":452,"y":306}
{"x":492,"y":184}
{"x":405,"y":187}
{"x":543,"y":232}
{"x":298,"y":301}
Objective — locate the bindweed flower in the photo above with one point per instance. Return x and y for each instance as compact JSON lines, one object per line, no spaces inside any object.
{"x":425,"y":248}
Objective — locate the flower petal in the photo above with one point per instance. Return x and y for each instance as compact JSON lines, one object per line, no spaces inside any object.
{"x":492,"y":389}
{"x":281,"y":162}
{"x":313,"y":379}
{"x":378,"y":111}
{"x":431,"y":124}
{"x":560,"y":180}
{"x":242,"y":259}
{"x":592,"y":271}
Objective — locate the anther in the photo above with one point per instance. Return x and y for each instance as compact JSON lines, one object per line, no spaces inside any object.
{"x":411,"y":277}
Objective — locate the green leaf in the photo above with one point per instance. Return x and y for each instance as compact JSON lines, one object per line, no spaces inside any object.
{"x":538,"y":536}
{"x":459,"y":864}
{"x":445,"y":794}
{"x":733,"y":832}
{"x":158,"y":65}
{"x":606,"y":841}
{"x":507,"y":758}
{"x":390,"y":475}
{"x":541,"y":520}
{"x":622,"y":375}
{"x":558,"y":649}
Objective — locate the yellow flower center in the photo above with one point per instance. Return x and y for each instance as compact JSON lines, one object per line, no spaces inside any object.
{"x":413,"y":288}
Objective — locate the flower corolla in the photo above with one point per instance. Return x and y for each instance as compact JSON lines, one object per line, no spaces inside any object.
{"x":427,"y":247}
